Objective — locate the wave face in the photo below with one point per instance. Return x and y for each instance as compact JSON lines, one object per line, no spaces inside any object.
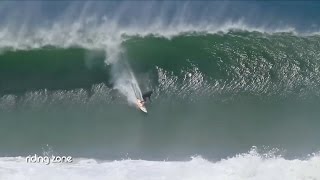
{"x":231,"y":63}
{"x":226,"y":85}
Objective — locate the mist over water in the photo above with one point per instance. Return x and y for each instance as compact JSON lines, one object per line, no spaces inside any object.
{"x":125,"y":81}
{"x":122,"y":76}
{"x":99,"y":24}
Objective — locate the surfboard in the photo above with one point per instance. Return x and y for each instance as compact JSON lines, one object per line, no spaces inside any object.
{"x":141,"y":107}
{"x":139,"y":98}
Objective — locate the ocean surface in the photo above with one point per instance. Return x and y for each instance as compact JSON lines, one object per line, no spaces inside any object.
{"x":236,"y":89}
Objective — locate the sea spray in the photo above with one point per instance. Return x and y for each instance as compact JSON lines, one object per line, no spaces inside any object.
{"x":122,"y":75}
{"x":125,"y":82}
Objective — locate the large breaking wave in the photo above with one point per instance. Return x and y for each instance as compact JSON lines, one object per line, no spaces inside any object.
{"x":233,"y":63}
{"x":213,"y":66}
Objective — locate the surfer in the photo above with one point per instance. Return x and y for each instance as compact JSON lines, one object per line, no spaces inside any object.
{"x":147,"y":95}
{"x":141,"y":103}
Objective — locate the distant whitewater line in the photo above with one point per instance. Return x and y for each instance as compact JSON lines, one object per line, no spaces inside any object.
{"x":245,"y":166}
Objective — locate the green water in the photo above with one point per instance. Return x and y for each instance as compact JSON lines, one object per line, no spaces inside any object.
{"x":214,"y":95}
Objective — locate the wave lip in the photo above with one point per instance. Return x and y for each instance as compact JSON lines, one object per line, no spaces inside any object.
{"x":99,"y":24}
{"x":101,"y":36}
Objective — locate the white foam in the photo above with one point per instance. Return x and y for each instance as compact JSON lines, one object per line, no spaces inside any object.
{"x":250,"y":166}
{"x":104,"y":36}
{"x":86,"y":29}
{"x":122,"y":75}
{"x":126,"y":83}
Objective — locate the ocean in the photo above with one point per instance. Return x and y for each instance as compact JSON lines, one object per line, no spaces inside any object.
{"x":236,"y":89}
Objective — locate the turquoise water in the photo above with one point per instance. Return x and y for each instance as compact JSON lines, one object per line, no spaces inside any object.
{"x":214,"y":95}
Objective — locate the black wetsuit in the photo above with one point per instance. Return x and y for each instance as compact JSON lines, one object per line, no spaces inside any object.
{"x":147,"y":95}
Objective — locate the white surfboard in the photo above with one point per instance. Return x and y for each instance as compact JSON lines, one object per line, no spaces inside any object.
{"x":143,"y":109}
{"x":141,"y":106}
{"x":139,"y":98}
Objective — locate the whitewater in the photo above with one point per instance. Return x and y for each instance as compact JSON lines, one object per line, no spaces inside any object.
{"x":95,"y":28}
{"x":245,"y":166}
